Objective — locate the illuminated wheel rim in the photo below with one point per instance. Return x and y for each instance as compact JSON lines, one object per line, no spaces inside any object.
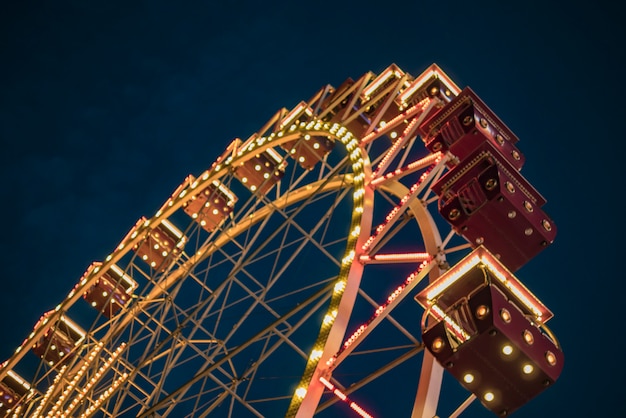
{"x":265,"y":312}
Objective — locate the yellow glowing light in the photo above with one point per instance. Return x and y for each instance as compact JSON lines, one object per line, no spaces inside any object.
{"x":528,"y":368}
{"x":507,"y":350}
{"x":316,"y":354}
{"x":340,"y":286}
{"x":438,"y":344}
{"x":489,"y":396}
{"x":505,"y":315}
{"x":528,"y":337}
{"x":348,"y":258}
{"x":482,"y":311}
{"x":301,"y":392}
{"x":468,"y":378}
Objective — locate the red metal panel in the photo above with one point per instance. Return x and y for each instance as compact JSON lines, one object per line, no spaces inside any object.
{"x":464,"y":124}
{"x":159,"y":249}
{"x":338,"y":105}
{"x":54,"y":346}
{"x":332,"y":98}
{"x":107,"y":295}
{"x":8,"y":400}
{"x":57,"y":343}
{"x":210,"y":207}
{"x":260,"y":173}
{"x":490,"y":203}
{"x":336,"y":102}
{"x":373,"y":105}
{"x":11,"y":392}
{"x":309,"y":150}
{"x":372,"y":109}
{"x":514,"y":375}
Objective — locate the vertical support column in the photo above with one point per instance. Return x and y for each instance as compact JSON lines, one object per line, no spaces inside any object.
{"x":428,"y":388}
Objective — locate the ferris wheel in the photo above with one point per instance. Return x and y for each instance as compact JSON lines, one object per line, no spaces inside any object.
{"x":337,"y":262}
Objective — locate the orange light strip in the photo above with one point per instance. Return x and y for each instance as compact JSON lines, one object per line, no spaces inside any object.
{"x":456,"y":329}
{"x":392,"y":70}
{"x":394,"y":258}
{"x":520,"y":292}
{"x":338,"y":393}
{"x":433,"y":70}
{"x":393,"y":123}
{"x":132,"y":285}
{"x":410,"y":282}
{"x":428,"y":296}
{"x":275,"y":156}
{"x":397,"y":210}
{"x":408,"y":169}
{"x":459,"y":271}
{"x":170,"y":227}
{"x":406,"y":134}
{"x":291,"y":116}
{"x":231,"y":196}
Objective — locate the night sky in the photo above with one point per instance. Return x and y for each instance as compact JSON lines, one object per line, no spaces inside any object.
{"x":105,"y":107}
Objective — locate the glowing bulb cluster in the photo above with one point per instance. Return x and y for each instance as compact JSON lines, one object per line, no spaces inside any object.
{"x":49,"y":391}
{"x":94,"y":378}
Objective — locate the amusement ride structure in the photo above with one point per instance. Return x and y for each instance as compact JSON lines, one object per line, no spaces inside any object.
{"x":351,"y":258}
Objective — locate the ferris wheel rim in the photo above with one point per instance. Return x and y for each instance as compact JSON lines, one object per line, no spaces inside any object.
{"x":359,"y":179}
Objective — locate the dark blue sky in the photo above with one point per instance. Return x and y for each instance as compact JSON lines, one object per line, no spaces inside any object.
{"x":105,"y":108}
